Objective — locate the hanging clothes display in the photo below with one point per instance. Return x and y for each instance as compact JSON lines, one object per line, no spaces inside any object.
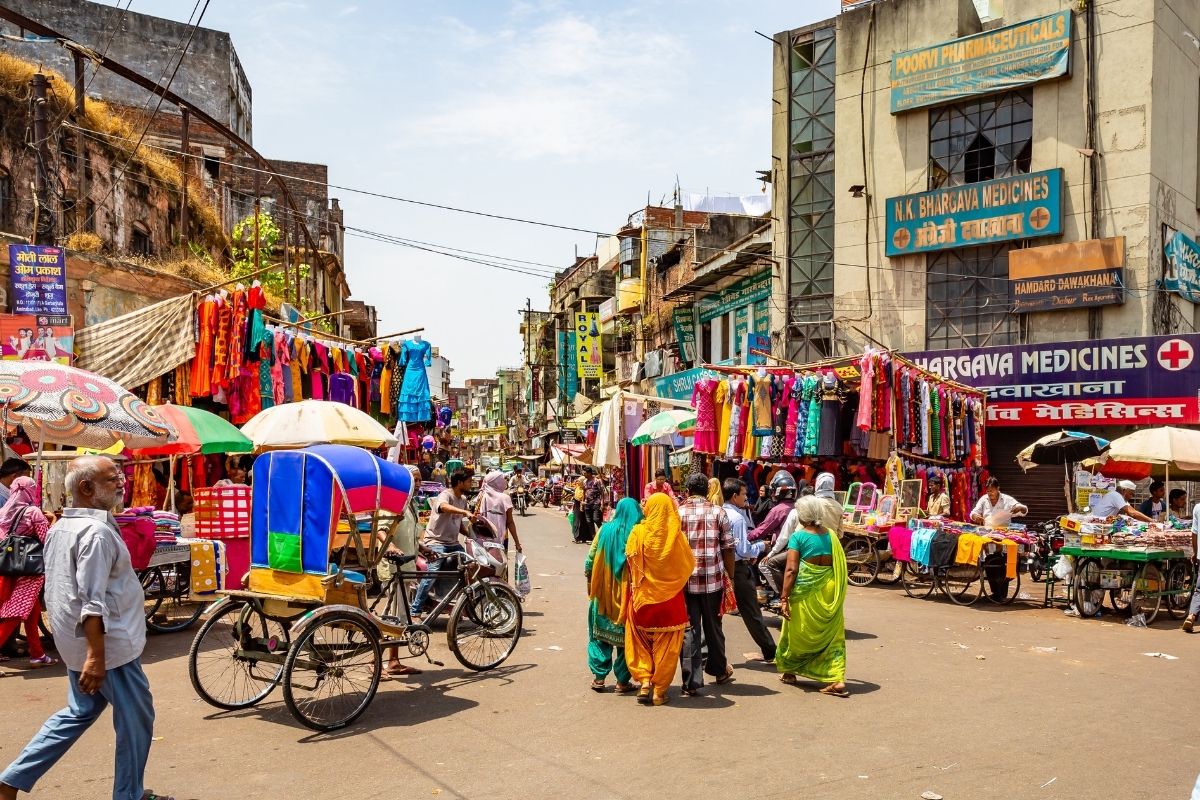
{"x":413,"y":402}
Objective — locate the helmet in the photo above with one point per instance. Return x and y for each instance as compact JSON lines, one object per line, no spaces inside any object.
{"x":783,"y":486}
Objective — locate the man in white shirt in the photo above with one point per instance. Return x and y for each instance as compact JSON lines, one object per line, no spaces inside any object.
{"x":1116,"y":502}
{"x":994,"y":504}
{"x":744,"y":553}
{"x":97,"y":613}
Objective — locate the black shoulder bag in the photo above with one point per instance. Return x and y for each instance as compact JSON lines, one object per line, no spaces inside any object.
{"x":21,"y":556}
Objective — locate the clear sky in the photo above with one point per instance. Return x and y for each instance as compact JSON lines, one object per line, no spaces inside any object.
{"x":572,"y":113}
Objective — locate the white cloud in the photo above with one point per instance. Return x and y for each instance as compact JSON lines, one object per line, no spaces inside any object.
{"x":570,"y":88}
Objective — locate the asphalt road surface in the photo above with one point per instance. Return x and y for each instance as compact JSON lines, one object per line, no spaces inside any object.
{"x":982,"y":702}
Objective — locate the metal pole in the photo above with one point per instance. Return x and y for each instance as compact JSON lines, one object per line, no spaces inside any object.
{"x":183,"y":168}
{"x":81,"y":191}
{"x":44,"y":229}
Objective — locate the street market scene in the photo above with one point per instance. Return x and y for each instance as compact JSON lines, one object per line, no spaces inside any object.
{"x":459,"y":437}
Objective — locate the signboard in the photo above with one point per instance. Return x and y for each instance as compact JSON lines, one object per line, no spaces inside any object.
{"x":1021,"y":207}
{"x":679,"y":386}
{"x":984,"y":63}
{"x":756,"y":341}
{"x":29,"y":338}
{"x":589,"y":361}
{"x":1135,"y":381}
{"x":1183,"y":254}
{"x":1068,"y":275}
{"x":685,"y":333}
{"x":38,"y":277}
{"x":743,"y":293}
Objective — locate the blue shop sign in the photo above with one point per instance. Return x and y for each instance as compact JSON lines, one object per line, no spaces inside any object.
{"x":984,"y":63}
{"x":1021,"y":207}
{"x":1183,"y":254}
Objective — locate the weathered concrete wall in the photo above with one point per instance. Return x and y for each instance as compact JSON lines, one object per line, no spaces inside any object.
{"x":211,"y":76}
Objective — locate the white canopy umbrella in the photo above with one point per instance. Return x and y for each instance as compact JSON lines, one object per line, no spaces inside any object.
{"x":294,"y":425}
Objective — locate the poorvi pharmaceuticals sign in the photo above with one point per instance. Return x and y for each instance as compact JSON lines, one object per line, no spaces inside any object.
{"x":985,"y":63}
{"x":1021,"y":207}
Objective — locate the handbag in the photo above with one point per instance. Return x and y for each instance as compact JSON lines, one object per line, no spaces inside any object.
{"x":21,"y":556}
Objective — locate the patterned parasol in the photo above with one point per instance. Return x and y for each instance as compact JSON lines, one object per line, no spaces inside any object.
{"x":67,"y":405}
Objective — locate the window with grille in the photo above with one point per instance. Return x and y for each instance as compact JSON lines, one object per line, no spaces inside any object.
{"x":981,"y":140}
{"x":810,"y":195}
{"x":967,"y":298}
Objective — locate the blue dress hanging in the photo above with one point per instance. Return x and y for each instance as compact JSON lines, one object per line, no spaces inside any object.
{"x":413,"y":403}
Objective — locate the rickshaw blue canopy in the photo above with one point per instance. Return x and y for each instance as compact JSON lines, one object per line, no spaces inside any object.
{"x":299,"y":496}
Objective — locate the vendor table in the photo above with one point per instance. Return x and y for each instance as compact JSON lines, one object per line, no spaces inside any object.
{"x":1139,"y":580}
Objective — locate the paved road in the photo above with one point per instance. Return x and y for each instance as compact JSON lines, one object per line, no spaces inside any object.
{"x":967,"y":703}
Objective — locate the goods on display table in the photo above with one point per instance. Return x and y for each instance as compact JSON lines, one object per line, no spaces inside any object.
{"x":1141,"y":568}
{"x":963,"y":561}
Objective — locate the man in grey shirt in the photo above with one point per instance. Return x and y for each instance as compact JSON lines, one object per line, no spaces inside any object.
{"x":96,"y":605}
{"x":447,"y":513}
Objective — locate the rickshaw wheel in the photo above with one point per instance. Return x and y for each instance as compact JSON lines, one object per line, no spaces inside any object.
{"x":485,"y":625}
{"x":222,"y":660}
{"x":332,"y":671}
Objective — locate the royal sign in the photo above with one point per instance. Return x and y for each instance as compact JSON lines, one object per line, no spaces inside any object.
{"x":1148,"y":380}
{"x":985,"y":63}
{"x":1022,"y":207}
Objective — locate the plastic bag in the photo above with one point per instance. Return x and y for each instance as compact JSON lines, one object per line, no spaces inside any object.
{"x":521,"y":580}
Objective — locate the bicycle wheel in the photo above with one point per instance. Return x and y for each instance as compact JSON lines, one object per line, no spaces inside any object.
{"x":236,"y":659}
{"x":485,"y":625}
{"x":1180,"y":585}
{"x":167,"y":608}
{"x":862,"y":561}
{"x":1145,"y":597}
{"x":998,"y":587}
{"x":1089,"y":597}
{"x":918,"y":581}
{"x":332,"y":671}
{"x":962,"y":583}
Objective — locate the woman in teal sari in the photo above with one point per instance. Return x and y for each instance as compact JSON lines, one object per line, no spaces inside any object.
{"x":813,"y":641}
{"x":607,"y":581}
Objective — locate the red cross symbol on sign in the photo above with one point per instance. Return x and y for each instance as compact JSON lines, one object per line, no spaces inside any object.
{"x":1175,"y":354}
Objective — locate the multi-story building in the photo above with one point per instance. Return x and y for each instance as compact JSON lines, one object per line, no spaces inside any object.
{"x":972,"y":184}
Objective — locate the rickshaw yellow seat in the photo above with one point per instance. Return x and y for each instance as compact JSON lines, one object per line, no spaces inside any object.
{"x":287,"y":584}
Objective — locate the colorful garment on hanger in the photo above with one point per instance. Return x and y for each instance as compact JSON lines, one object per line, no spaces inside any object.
{"x":413,"y":403}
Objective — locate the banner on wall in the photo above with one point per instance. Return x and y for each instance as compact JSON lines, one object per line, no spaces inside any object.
{"x":1005,"y":209}
{"x":28,"y":338}
{"x":1146,"y":380}
{"x":38,"y":276}
{"x":589,"y":359}
{"x":984,"y":63}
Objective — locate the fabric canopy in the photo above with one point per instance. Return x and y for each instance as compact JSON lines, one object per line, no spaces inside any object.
{"x":137,"y":347}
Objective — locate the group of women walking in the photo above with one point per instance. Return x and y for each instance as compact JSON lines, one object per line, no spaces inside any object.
{"x":638,"y":568}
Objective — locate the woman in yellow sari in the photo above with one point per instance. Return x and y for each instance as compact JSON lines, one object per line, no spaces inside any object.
{"x":813,"y":640}
{"x":660,"y":561}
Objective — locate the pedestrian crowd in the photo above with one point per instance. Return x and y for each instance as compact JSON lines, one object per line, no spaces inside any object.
{"x":662,"y":576}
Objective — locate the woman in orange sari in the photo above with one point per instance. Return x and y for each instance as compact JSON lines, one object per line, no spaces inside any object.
{"x":660,"y":562}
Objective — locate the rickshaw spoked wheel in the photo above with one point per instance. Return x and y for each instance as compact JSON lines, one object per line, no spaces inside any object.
{"x":236,"y":659}
{"x":333,"y":670}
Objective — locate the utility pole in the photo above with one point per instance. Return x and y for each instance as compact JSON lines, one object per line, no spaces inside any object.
{"x":43,"y":232}
{"x":81,"y":182}
{"x":183,"y":168}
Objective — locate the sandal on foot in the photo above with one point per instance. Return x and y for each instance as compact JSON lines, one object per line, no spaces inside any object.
{"x":627,"y":688}
{"x":44,"y":661}
{"x":598,"y":686}
{"x":788,"y":678}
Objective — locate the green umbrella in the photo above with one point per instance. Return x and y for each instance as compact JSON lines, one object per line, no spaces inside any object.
{"x":665,"y":423}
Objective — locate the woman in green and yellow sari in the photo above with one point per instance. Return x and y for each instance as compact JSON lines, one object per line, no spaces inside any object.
{"x":608,"y":578}
{"x":813,"y":641}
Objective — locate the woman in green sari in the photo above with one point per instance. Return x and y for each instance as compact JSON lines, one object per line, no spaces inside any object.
{"x":813,"y":641}
{"x":607,"y":578}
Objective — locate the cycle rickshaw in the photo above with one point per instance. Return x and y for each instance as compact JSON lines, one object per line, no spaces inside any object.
{"x":321,"y":519}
